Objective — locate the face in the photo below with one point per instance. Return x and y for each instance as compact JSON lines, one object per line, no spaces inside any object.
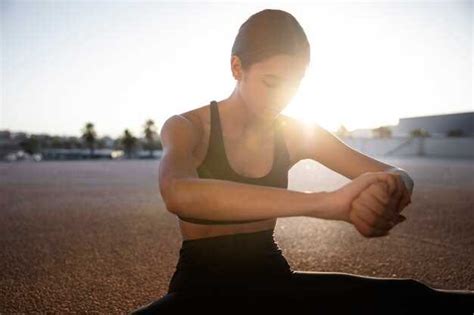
{"x":268,"y":86}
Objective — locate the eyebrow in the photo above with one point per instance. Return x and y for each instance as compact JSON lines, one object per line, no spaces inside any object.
{"x":276,"y":77}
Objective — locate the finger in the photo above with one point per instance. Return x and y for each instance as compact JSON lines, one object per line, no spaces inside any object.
{"x":390,"y":180}
{"x":405,"y":200}
{"x":379,"y":191}
{"x":368,"y":178}
{"x":389,"y":211}
{"x":399,"y":192}
{"x":367,"y":200}
{"x":401,"y":218}
{"x":391,"y":206}
{"x":371,"y":217}
{"x":365,"y":229}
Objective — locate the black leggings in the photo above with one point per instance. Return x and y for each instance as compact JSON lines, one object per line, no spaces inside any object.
{"x":247,"y":272}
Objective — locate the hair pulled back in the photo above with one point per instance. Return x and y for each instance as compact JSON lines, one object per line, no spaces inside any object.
{"x":267,"y":33}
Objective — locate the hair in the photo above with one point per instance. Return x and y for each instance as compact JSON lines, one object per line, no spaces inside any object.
{"x":267,"y":33}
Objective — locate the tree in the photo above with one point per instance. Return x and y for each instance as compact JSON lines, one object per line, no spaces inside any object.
{"x":31,"y":145}
{"x":89,"y":135}
{"x":56,"y":142}
{"x":382,"y":132}
{"x":129,"y":142}
{"x":419,"y":132}
{"x":150,"y":136}
{"x":342,"y":131}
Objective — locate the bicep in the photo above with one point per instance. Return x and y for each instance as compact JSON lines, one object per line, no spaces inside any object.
{"x":179,"y":138}
{"x":326,"y":148}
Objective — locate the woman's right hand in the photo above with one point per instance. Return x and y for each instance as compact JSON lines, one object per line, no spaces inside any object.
{"x":351,"y":200}
{"x":374,"y":212}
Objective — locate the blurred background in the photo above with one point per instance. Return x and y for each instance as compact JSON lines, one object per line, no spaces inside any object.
{"x":87,"y":85}
{"x":106,"y":75}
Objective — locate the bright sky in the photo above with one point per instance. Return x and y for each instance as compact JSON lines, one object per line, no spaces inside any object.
{"x":117,"y":64}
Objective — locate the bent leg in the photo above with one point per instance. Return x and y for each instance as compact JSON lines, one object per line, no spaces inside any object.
{"x":323,"y":292}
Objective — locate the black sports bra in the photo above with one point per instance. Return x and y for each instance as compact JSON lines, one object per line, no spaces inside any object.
{"x":216,"y":164}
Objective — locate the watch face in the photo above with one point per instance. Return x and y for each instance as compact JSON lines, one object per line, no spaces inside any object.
{"x":407,"y":180}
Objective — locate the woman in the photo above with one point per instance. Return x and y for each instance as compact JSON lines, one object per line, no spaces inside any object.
{"x":224,"y":173}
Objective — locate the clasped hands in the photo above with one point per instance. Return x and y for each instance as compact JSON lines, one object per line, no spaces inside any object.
{"x":376,"y":209}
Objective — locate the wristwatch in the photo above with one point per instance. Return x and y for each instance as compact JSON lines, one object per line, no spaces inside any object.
{"x":407,"y":180}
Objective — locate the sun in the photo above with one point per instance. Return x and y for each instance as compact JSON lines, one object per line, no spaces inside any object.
{"x":308,"y":107}
{"x":313,"y":104}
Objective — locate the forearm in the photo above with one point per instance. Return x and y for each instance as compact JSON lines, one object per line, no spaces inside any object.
{"x":214,"y":199}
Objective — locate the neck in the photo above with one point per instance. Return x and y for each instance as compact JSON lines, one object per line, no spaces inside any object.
{"x":244,"y":121}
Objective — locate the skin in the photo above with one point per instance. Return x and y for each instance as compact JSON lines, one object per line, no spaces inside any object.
{"x":260,"y":94}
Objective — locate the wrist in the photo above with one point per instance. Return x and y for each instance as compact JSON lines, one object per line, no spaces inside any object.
{"x":338,"y":209}
{"x":324,"y":205}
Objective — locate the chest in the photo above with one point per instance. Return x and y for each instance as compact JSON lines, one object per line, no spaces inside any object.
{"x":252,"y":157}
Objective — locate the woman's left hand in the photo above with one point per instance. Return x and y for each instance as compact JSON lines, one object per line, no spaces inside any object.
{"x":400,"y":193}
{"x":378,"y":208}
{"x":372,"y":212}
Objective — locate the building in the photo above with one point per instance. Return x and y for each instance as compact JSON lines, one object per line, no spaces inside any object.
{"x":436,"y":125}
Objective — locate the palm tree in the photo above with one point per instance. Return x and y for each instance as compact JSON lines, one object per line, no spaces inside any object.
{"x":342,"y":131}
{"x":382,"y":132}
{"x":89,"y":135}
{"x":31,"y":145}
{"x":419,"y":132}
{"x":150,"y":135}
{"x":128,"y":141}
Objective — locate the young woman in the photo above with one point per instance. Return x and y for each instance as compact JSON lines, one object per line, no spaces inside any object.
{"x":224,"y":173}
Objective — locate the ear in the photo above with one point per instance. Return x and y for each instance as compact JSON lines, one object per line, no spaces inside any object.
{"x":236,"y":67}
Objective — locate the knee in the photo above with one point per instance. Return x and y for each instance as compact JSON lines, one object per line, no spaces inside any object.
{"x":412,"y":288}
{"x":418,"y":284}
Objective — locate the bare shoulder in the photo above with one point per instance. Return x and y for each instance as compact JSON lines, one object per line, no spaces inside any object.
{"x":187,"y":123}
{"x":198,"y":117}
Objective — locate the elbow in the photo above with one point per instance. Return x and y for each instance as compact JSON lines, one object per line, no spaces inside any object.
{"x":171,"y":195}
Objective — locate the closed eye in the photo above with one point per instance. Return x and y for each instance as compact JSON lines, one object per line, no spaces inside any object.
{"x":270,"y":85}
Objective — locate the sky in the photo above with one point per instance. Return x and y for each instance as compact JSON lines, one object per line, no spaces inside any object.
{"x":118,"y":63}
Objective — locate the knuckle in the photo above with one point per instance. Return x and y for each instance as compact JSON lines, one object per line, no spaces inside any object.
{"x":374,"y":186}
{"x":372,"y":220}
{"x":356,"y":203}
{"x":380,"y":208}
{"x":367,"y":233}
{"x":386,"y":225}
{"x":372,"y":233}
{"x":367,"y":193}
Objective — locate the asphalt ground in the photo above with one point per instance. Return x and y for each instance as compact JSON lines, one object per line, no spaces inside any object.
{"x":94,"y":236}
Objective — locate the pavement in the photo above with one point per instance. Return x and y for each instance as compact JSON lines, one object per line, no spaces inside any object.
{"x":94,"y":236}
